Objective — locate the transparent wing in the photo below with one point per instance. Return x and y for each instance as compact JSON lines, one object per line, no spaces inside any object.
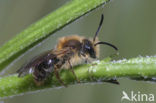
{"x":29,"y":67}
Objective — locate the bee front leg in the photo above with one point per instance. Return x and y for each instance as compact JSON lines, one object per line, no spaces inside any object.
{"x":58,"y":76}
{"x":71,"y":68}
{"x":86,"y":60}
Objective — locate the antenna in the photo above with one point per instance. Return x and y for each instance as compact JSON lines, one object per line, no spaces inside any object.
{"x":100,"y":24}
{"x":111,"y":45}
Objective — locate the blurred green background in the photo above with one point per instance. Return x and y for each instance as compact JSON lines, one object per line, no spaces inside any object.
{"x":128,"y":24}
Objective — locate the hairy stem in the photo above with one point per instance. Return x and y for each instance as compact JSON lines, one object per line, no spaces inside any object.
{"x":141,"y":68}
{"x":45,"y":27}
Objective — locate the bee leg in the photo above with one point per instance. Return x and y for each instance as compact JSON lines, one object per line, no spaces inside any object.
{"x":91,"y":77}
{"x":86,"y":60}
{"x":58,"y":77}
{"x":71,"y":68}
{"x":114,"y":81}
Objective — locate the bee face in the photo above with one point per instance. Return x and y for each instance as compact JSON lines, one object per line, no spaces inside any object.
{"x":87,"y":48}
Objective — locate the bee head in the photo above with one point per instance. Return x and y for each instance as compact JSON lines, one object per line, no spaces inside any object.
{"x":90,"y":47}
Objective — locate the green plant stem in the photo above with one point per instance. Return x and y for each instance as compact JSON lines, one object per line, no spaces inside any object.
{"x":45,"y":27}
{"x":142,"y":68}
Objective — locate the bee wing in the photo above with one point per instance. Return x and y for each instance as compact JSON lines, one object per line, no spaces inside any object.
{"x":28,"y":68}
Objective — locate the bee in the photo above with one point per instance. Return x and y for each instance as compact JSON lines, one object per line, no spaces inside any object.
{"x":69,"y":51}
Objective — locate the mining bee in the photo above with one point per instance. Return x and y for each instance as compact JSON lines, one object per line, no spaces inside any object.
{"x":70,"y":51}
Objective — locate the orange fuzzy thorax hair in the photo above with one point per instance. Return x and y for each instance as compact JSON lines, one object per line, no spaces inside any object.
{"x":65,"y":39}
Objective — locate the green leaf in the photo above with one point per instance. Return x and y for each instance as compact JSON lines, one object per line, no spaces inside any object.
{"x":141,"y":68}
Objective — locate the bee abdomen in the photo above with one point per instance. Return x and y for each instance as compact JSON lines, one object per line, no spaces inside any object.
{"x":44,"y":69}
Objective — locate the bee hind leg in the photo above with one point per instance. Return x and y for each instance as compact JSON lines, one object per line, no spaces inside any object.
{"x":72,"y":70}
{"x":114,"y":81}
{"x":58,"y":77}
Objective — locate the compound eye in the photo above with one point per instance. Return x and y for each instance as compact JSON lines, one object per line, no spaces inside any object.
{"x":90,"y":51}
{"x":87,"y":47}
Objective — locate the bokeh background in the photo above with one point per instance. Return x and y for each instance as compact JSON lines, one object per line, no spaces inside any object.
{"x":129,"y":24}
